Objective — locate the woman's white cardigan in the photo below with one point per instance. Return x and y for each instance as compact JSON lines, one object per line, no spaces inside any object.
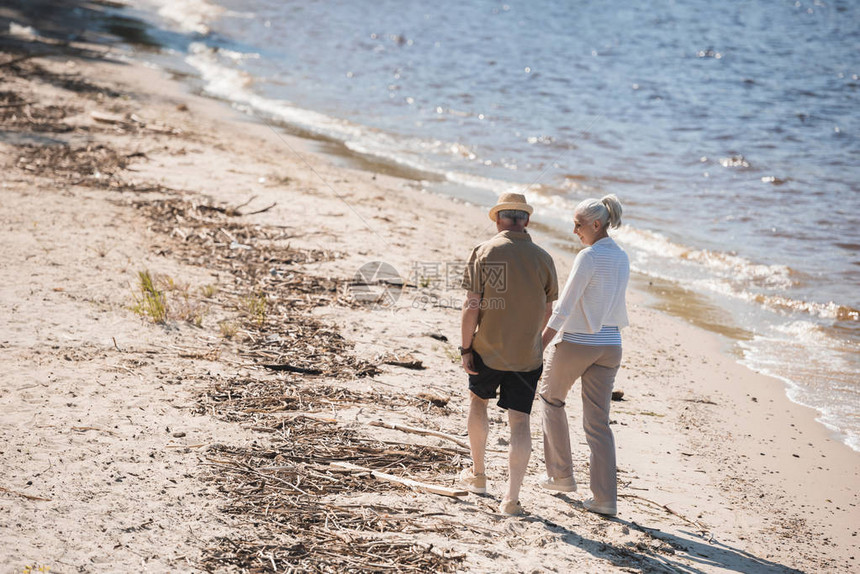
{"x":594,"y":295}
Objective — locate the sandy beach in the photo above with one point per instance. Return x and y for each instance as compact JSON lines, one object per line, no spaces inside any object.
{"x":198,"y":425}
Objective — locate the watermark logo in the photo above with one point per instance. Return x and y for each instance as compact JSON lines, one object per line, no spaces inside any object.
{"x":377,"y":284}
{"x":496,"y":275}
{"x":431,"y":284}
{"x":425,"y":301}
{"x":436,"y":275}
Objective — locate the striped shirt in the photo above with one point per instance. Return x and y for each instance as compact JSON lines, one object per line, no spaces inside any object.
{"x":594,"y":295}
{"x":608,"y":335}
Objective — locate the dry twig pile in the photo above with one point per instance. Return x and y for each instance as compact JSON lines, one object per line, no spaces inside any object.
{"x":287,"y":489}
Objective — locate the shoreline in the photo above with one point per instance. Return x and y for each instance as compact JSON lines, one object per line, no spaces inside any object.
{"x":768,"y":512}
{"x":701,"y":307}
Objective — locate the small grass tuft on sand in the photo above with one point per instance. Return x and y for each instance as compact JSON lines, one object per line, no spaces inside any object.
{"x":228,"y":329}
{"x":208,"y":291}
{"x":160,"y":298}
{"x":256,"y":306}
{"x":149,"y":301}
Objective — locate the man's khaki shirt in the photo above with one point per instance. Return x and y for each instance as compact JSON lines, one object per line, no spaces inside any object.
{"x":516,"y":279}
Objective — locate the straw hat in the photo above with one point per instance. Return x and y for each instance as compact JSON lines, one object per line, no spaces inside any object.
{"x":511,"y":201}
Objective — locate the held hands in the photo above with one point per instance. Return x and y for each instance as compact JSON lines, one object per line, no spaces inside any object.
{"x":547,"y":337}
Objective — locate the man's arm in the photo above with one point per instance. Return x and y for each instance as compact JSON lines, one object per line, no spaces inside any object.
{"x":468,"y":325}
{"x":551,"y":296}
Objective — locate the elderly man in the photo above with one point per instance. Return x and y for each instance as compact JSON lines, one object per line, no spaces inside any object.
{"x":511,"y":284}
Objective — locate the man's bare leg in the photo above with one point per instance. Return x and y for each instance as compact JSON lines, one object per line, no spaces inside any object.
{"x":479,"y":428}
{"x":519,"y":453}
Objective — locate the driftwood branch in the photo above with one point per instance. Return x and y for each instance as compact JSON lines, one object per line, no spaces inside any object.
{"x":702,"y":528}
{"x":234,"y":211}
{"x":27,"y":496}
{"x":258,"y":211}
{"x":423,"y":486}
{"x":85,"y":429}
{"x":420,"y":431}
{"x":292,"y":369}
{"x":108,"y":118}
{"x":241,"y":205}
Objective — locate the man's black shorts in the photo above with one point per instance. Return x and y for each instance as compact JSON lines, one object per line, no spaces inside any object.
{"x":517,"y":389}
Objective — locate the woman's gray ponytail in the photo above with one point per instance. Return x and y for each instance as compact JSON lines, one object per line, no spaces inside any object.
{"x":606,"y":210}
{"x":613,"y":209}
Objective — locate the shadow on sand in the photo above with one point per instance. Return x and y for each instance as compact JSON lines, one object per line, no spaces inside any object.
{"x":688,"y":554}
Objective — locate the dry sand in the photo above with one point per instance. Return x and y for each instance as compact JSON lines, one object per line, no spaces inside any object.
{"x":111,"y":436}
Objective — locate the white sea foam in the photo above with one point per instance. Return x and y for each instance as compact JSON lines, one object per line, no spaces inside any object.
{"x":744,"y":270}
{"x":413,"y":152}
{"x":550,"y":205}
{"x":232,"y":84}
{"x":798,"y":351}
{"x":188,"y":15}
{"x":739,"y":270}
{"x":225,"y":81}
{"x":238,"y":56}
{"x":497,"y":186}
{"x":829,"y":310}
{"x":650,"y":242}
{"x":16,"y":29}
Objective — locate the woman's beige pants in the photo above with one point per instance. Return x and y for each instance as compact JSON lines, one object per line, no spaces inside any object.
{"x":597,"y":365}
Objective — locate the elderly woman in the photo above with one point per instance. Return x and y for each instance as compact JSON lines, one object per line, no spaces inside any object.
{"x":590,"y":313}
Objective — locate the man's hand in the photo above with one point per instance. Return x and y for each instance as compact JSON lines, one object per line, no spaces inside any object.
{"x":468,"y":361}
{"x":469,"y":322}
{"x":548,"y":335}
